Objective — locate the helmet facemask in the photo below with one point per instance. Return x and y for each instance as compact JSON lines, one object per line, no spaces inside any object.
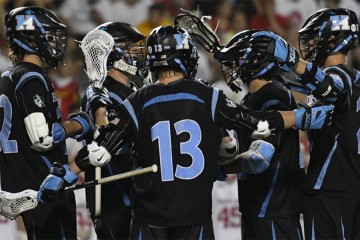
{"x":56,"y":47}
{"x":327,"y":32}
{"x":129,"y":58}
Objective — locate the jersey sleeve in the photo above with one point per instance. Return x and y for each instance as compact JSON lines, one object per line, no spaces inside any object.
{"x":33,"y":96}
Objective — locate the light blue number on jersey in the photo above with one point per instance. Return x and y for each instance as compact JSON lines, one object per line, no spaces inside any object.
{"x":161,"y":132}
{"x":7,"y":146}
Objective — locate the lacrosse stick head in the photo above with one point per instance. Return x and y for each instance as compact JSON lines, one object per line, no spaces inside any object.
{"x":199,"y":30}
{"x":96,"y":46}
{"x":13,"y":204}
{"x":171,"y":48}
{"x":128,"y":54}
{"x":242,"y":65}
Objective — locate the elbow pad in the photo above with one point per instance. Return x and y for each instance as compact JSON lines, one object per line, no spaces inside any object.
{"x":38,"y":131}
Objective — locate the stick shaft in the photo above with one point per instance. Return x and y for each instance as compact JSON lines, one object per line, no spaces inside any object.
{"x":112,"y":178}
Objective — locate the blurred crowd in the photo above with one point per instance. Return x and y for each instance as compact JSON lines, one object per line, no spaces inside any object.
{"x":228,"y":17}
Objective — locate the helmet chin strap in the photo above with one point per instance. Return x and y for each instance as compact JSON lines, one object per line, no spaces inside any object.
{"x":121,"y":65}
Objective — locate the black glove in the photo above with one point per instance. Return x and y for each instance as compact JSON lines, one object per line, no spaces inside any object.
{"x":110,"y":137}
{"x":267,"y":43}
{"x":94,"y":99}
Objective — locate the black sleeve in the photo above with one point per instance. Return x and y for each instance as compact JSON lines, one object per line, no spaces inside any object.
{"x":244,"y":120}
{"x":33,"y":97}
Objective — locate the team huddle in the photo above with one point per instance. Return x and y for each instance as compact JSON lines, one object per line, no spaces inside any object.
{"x":144,"y":107}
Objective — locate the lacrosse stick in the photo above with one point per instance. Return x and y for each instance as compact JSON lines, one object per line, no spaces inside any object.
{"x":202,"y":33}
{"x":199,"y":30}
{"x":97,"y":46}
{"x":13,"y":204}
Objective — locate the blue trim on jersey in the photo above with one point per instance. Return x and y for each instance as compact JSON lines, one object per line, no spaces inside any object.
{"x":313,"y":230}
{"x":116,"y":97}
{"x":265,"y":70}
{"x":342,"y":228}
{"x":357,"y":77}
{"x":346,"y":41}
{"x":46,"y":161}
{"x":298,"y":231}
{"x":63,"y":236}
{"x":131,"y":111}
{"x":201,"y":232}
{"x":273,"y":102}
{"x":26,"y":77}
{"x":321,"y":176}
{"x":301,"y":158}
{"x":340,"y":81}
{"x":273,"y":233}
{"x":111,"y":232}
{"x":140,"y":235}
{"x":319,"y":75}
{"x":172,"y":97}
{"x":123,"y":193}
{"x":58,"y":113}
{"x":214,"y":100}
{"x":269,"y":194}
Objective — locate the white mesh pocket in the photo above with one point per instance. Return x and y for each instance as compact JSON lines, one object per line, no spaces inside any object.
{"x":13,"y":204}
{"x":96,"y":47}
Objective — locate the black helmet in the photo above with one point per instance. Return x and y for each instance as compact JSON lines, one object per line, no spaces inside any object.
{"x":126,"y":37}
{"x":36,"y":30}
{"x":170,"y":47}
{"x":326,"y":32}
{"x":240,"y":64}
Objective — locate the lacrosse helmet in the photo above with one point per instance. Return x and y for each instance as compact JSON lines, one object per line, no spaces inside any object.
{"x":170,"y":47}
{"x":326,"y":32}
{"x":128,"y":54}
{"x":35,"y":30}
{"x":239,"y":64}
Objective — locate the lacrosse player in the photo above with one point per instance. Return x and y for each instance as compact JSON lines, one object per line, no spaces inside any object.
{"x":332,"y":193}
{"x":175,"y":123}
{"x":32,"y":135}
{"x":270,"y":201}
{"x":125,"y":62}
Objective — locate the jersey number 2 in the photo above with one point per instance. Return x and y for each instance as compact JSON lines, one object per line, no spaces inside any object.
{"x":7,"y":146}
{"x":161,"y":132}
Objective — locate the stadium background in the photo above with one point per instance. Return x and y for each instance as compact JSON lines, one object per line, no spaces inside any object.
{"x":228,"y":17}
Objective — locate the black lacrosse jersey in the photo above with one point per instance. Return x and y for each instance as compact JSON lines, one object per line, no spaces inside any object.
{"x":334,"y":150}
{"x":24,"y":89}
{"x":278,"y":190}
{"x":117,"y":193}
{"x":176,"y":127}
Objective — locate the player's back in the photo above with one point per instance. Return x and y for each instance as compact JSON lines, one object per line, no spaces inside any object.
{"x":175,"y":128}
{"x":22,"y":167}
{"x":277,"y":191}
{"x":334,"y":150}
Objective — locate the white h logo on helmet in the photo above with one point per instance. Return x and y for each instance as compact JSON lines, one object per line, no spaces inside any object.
{"x":182,"y":41}
{"x":25,"y":22}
